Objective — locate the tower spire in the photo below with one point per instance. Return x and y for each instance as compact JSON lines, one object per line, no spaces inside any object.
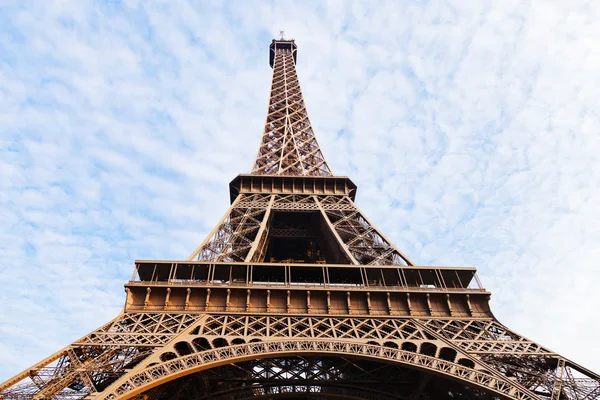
{"x":288,"y":145}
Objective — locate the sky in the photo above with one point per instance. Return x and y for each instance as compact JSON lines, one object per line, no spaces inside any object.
{"x":470,"y":127}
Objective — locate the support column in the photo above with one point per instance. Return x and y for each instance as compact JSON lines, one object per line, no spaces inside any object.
{"x":261,"y":231}
{"x":337,"y":237}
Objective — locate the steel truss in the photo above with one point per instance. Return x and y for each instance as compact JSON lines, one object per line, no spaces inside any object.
{"x":288,"y":145}
{"x":242,"y":233}
{"x":318,"y":377}
{"x":425,"y":334}
{"x":139,"y":351}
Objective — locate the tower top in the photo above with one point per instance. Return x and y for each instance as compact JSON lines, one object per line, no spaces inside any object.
{"x":282,"y":45}
{"x":288,"y":145}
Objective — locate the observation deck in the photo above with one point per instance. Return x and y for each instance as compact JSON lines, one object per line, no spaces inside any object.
{"x":293,"y":288}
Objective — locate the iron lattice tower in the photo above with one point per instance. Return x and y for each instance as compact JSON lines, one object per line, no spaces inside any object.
{"x":297,"y":294}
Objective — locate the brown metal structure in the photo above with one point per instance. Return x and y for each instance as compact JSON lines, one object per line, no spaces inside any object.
{"x":296,"y":294}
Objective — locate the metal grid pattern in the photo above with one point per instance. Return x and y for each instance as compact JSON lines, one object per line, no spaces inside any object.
{"x":242,"y":233}
{"x":119,"y":361}
{"x":93,"y":362}
{"x":154,"y":375}
{"x":288,"y":145}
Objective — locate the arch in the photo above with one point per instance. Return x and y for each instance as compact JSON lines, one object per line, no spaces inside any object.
{"x":201,"y":344}
{"x":448,"y":354}
{"x":149,"y":377}
{"x":391,"y":345}
{"x":183,"y":348}
{"x":409,"y":346}
{"x":429,"y":349}
{"x":238,"y":341}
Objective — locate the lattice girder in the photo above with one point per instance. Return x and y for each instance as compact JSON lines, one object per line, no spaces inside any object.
{"x":196,"y":361}
{"x":91,"y":363}
{"x":288,"y":145}
{"x":519,"y":369}
{"x":318,"y":376}
{"x":242,"y":233}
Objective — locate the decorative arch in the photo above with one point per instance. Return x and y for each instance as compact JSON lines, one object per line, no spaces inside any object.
{"x":167,"y":370}
{"x":448,"y":354}
{"x":430,"y":349}
{"x":201,"y":344}
{"x":168,"y":356}
{"x":183,"y":348}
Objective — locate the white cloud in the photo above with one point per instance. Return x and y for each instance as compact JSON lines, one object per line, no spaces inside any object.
{"x":474,"y":124}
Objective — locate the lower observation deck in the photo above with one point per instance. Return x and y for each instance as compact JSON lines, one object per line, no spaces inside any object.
{"x":292,"y":288}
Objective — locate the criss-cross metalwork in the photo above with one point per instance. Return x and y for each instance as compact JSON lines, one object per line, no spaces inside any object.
{"x":241,"y":235}
{"x":296,"y":294}
{"x":288,"y":145}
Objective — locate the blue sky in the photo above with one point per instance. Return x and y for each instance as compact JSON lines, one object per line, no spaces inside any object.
{"x":470,"y":127}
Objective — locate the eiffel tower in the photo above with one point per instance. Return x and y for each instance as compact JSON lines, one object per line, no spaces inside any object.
{"x":296,"y":294}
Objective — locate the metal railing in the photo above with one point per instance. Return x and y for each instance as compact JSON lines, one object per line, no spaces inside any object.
{"x":307,"y":285}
